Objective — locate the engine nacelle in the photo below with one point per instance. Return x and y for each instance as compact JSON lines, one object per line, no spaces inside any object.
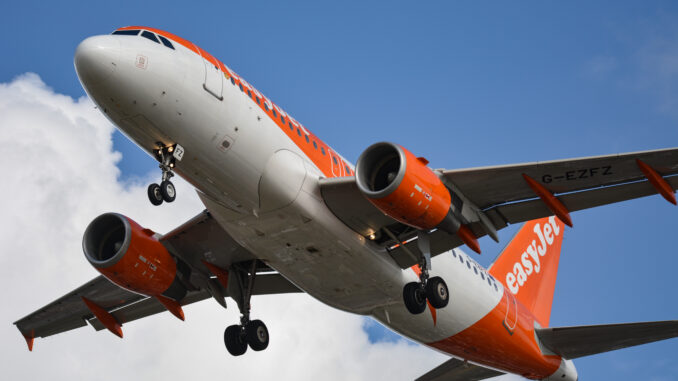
{"x":403,"y":187}
{"x":131,"y":257}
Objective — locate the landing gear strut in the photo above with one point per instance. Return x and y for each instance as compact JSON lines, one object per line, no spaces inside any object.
{"x":434,"y":290}
{"x":249,"y":332}
{"x":167,"y":156}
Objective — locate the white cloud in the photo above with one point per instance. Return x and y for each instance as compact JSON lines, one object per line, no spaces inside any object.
{"x":59,"y":172}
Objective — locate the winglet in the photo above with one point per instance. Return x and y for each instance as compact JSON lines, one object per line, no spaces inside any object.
{"x":109,"y":321}
{"x":172,"y":306}
{"x":550,"y":200}
{"x":657,"y":182}
{"x":29,"y":340}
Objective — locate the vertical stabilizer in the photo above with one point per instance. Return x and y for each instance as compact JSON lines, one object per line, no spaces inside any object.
{"x":528,"y":266}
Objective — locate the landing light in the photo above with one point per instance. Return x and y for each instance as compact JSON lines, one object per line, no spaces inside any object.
{"x":171,"y":165}
{"x":372,"y":236}
{"x":170,"y":149}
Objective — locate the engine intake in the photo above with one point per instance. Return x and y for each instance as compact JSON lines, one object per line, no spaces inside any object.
{"x":131,"y":257}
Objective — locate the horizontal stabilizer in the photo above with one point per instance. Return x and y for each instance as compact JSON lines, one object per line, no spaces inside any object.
{"x":574,"y":342}
{"x":459,"y":370}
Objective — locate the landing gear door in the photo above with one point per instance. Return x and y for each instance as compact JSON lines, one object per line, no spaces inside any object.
{"x":214,"y":80}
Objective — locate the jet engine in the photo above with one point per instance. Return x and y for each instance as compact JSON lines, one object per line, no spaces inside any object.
{"x":131,"y":257}
{"x":404,"y":188}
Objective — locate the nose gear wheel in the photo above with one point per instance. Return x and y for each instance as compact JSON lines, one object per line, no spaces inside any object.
{"x":167,"y":156}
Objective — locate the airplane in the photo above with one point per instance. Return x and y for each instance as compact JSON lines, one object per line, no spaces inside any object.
{"x":286,"y":213}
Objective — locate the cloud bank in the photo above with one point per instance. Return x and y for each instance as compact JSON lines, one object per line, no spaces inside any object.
{"x":59,"y":172}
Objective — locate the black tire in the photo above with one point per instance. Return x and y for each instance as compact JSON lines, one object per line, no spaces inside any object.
{"x":257,"y":335}
{"x":414,"y":297}
{"x":169,"y":193}
{"x":154,"y":194}
{"x":235,"y":342}
{"x":437,"y":293}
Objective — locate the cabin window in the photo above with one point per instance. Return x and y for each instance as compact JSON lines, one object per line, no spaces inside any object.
{"x":150,"y":36}
{"x":482,"y":276}
{"x":307,"y":141}
{"x":126,"y":32}
{"x":489,"y":281}
{"x":334,"y":159}
{"x":454,"y":254}
{"x":265,"y":106}
{"x":315,"y":145}
{"x":232,"y":81}
{"x":475,"y":270}
{"x":298,"y":132}
{"x":289,"y":122}
{"x":258,"y":100}
{"x":468,"y":264}
{"x":241,"y":88}
{"x":461,"y":259}
{"x":166,"y":42}
{"x":282,"y":119}
{"x":322,"y":149}
{"x":348,"y":171}
{"x":274,"y":113}
{"x":249,"y":94}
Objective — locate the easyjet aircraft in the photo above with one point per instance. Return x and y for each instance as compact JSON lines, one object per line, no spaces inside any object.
{"x":286,"y":213}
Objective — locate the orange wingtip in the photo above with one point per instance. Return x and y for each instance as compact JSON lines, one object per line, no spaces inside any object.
{"x":108,"y":320}
{"x":469,"y":239}
{"x":554,"y":205}
{"x":172,"y":306}
{"x":657,"y":181}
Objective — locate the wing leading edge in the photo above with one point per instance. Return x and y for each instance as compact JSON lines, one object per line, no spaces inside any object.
{"x":491,"y":198}
{"x":197,"y":242}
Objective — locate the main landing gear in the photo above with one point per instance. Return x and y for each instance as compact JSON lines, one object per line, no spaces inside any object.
{"x":434,"y":290}
{"x":167,"y":156}
{"x":249,"y":332}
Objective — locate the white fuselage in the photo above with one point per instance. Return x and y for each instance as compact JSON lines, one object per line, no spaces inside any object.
{"x":263,"y":189}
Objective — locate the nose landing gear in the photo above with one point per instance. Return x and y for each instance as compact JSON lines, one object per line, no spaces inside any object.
{"x":167,"y":156}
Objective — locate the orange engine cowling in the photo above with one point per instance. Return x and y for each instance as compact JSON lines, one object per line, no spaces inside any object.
{"x":403,"y":187}
{"x":131,"y":257}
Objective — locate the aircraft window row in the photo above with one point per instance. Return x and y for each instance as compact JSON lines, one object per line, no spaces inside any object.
{"x":151,"y":36}
{"x":288,"y":121}
{"x":490,"y":279}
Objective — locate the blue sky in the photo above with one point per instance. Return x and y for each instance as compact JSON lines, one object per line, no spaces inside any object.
{"x":463,"y":84}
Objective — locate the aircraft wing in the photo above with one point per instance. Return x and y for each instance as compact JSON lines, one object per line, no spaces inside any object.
{"x":199,"y":239}
{"x":459,"y":370}
{"x":574,"y":342}
{"x":491,"y":198}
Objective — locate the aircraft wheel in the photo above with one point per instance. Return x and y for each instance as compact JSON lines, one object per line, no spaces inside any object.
{"x":154,"y":194}
{"x":257,"y":335}
{"x":414,"y":297}
{"x":235,"y":341}
{"x":437,"y":293}
{"x":167,"y":190}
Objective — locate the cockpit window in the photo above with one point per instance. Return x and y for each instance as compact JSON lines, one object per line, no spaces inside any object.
{"x":166,"y":42}
{"x":150,"y":36}
{"x":126,"y":32}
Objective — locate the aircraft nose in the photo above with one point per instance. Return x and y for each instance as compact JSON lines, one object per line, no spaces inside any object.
{"x":96,"y":59}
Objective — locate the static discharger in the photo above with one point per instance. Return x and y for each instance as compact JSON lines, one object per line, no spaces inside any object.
{"x":554,"y":205}
{"x":108,"y":320}
{"x":657,"y":181}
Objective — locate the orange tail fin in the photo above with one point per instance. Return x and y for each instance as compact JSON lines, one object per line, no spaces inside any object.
{"x":528,"y":266}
